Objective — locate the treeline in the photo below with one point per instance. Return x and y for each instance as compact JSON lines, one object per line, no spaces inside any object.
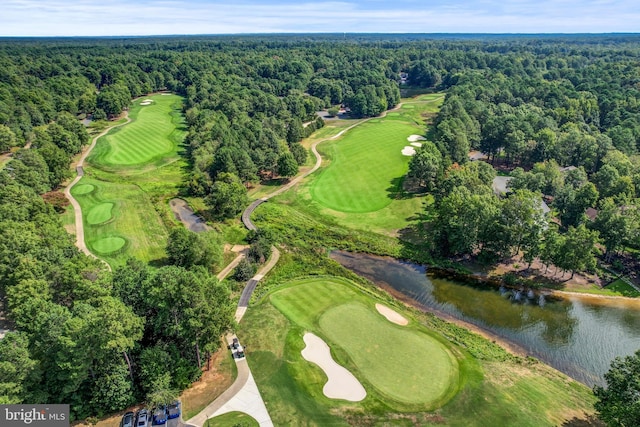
{"x":100,"y":341}
{"x":566,"y":122}
{"x":95,"y":340}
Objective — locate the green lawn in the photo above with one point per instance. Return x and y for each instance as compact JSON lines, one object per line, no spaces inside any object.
{"x":120,"y":221}
{"x":153,"y":134}
{"x":232,"y":419}
{"x":127,"y":184}
{"x":360,"y":185}
{"x":494,"y":389}
{"x":623,"y":288}
{"x":366,"y":167}
{"x":402,"y":367}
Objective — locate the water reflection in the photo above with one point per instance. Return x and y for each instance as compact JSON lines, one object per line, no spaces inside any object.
{"x":578,"y":336}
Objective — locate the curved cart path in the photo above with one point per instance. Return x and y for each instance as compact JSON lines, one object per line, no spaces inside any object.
{"x":80,"y":243}
{"x":243,"y":395}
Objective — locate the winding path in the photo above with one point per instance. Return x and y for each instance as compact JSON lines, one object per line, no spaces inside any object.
{"x":243,"y":395}
{"x":79,"y":166}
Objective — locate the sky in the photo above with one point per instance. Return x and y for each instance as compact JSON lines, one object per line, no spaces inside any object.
{"x":165,"y":17}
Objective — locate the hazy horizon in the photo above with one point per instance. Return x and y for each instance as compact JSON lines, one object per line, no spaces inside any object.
{"x":119,"y":18}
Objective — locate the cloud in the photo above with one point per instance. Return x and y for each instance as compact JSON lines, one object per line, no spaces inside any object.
{"x":148,"y":17}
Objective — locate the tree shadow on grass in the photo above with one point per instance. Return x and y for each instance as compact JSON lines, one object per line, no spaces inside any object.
{"x":584,"y":421}
{"x":396,"y":192}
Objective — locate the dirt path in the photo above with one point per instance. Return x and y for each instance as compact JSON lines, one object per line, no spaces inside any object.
{"x":80,"y":243}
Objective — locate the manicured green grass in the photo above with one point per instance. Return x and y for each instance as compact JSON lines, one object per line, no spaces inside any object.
{"x":497,"y":390}
{"x":404,"y":365}
{"x":100,"y":213}
{"x":131,"y":216}
{"x":125,"y":191}
{"x":232,"y":419}
{"x":109,"y":245}
{"x":81,"y":189}
{"x":361,"y":183}
{"x":366,"y":167}
{"x":153,"y":134}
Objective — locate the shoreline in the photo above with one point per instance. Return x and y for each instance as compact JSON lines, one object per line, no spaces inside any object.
{"x":509,"y":346}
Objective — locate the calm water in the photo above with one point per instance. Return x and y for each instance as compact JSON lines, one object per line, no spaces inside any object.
{"x":578,"y":336}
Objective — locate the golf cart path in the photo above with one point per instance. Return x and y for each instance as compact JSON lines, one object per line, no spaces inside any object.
{"x":243,"y":395}
{"x":80,"y":243}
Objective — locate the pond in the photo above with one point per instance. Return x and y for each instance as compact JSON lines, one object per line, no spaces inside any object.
{"x":578,"y":335}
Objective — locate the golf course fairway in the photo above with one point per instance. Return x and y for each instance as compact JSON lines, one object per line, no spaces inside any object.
{"x":129,"y":177}
{"x":403,"y":364}
{"x":366,"y":167}
{"x":151,"y":135}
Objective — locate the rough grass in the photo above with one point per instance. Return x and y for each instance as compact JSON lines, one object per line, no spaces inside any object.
{"x":623,"y":288}
{"x":147,"y":139}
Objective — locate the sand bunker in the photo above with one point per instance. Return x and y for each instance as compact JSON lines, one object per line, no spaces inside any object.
{"x":417,"y":144}
{"x":145,"y":103}
{"x":391,"y":315}
{"x":408,"y":151}
{"x":341,"y":384}
{"x":414,"y":138}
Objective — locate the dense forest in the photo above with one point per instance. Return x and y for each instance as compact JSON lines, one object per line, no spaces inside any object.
{"x":561,"y":114}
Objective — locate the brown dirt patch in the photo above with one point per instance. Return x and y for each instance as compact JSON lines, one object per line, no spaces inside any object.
{"x":211,"y":385}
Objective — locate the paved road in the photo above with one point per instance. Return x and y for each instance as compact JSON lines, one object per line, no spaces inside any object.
{"x":243,"y":395}
{"x":246,"y":215}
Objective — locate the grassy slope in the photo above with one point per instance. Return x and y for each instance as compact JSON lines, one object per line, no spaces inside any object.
{"x":232,"y":419}
{"x":148,"y":138}
{"x":366,"y":167}
{"x":292,"y":387}
{"x":137,"y":190}
{"x":498,"y":389}
{"x":395,"y":209}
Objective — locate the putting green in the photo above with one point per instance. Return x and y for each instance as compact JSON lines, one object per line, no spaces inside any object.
{"x":366,"y":167}
{"x":148,"y":138}
{"x":81,"y":189}
{"x":100,"y":213}
{"x":404,"y":365}
{"x":108,"y":244}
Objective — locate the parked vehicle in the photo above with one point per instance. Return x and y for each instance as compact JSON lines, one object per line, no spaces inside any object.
{"x":160,"y":415}
{"x":142,"y":418}
{"x":235,"y":344}
{"x":127,"y":420}
{"x":173,"y":410}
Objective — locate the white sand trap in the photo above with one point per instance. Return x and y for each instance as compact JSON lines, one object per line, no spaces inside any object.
{"x":414,"y":138}
{"x":408,"y":151}
{"x":145,"y":103}
{"x":166,"y":94}
{"x":392,"y":316}
{"x":341,"y":384}
{"x":417,"y":144}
